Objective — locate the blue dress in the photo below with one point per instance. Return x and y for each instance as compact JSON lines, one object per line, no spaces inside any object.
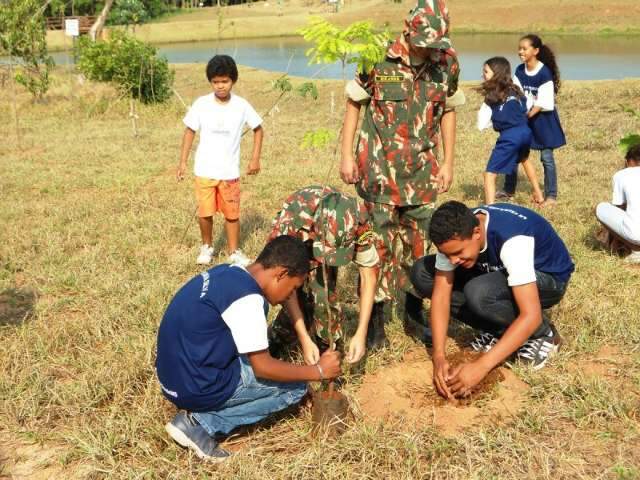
{"x":546,"y":128}
{"x":510,"y":120}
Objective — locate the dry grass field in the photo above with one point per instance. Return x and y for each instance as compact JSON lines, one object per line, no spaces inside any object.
{"x":94,"y":246}
{"x":271,"y":19}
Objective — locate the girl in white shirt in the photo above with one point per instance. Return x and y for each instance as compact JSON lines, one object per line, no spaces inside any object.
{"x":621,"y":217}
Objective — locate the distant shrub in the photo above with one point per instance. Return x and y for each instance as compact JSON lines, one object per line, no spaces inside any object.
{"x":129,"y":63}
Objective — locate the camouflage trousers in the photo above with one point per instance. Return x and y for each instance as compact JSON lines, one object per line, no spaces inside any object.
{"x":314,"y":304}
{"x":408,"y":225}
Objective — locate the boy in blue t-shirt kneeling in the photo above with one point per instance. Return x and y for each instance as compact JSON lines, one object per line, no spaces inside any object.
{"x":514,"y":266}
{"x":213,"y":359}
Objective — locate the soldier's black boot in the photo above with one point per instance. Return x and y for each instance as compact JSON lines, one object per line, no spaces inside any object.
{"x":416,"y":323}
{"x":376,"y":337}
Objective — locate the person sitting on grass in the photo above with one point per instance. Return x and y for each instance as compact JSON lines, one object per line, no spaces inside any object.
{"x":213,"y":359}
{"x":220,"y":117}
{"x":497,"y":269}
{"x":621,"y":217}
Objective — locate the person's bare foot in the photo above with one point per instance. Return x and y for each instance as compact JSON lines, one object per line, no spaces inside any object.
{"x":549,"y":202}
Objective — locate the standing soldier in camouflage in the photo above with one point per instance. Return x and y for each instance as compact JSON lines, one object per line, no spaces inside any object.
{"x":337,"y":231}
{"x":410,"y":98}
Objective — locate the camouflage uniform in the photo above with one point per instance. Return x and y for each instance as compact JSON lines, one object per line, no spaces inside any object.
{"x":396,"y":150}
{"x":337,"y":230}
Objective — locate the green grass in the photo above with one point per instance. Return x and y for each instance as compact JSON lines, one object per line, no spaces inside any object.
{"x":91,"y":247}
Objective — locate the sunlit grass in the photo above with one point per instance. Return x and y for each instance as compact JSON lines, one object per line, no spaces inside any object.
{"x":94,"y":223}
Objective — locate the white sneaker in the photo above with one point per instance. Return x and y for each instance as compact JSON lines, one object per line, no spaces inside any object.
{"x":239,"y":258}
{"x":206,"y":253}
{"x":633,"y":258}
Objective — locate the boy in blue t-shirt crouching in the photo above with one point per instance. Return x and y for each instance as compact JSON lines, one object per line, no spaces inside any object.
{"x":514,"y":266}
{"x":213,"y":357}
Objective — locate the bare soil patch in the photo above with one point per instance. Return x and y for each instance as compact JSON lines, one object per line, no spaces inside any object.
{"x":19,"y":460}
{"x":406,"y":390}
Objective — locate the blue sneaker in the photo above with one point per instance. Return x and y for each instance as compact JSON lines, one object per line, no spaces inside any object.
{"x":188,"y":433}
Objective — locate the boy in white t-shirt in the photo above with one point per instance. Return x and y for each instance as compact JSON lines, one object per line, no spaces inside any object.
{"x":220,"y":117}
{"x":621,"y":217}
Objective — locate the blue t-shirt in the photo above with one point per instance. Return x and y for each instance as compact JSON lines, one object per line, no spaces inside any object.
{"x":511,"y":113}
{"x":506,"y":221}
{"x":545,"y":126}
{"x":214,"y":317}
{"x":519,"y":242}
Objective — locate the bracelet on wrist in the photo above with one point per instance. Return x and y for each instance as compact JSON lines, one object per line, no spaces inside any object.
{"x":320,"y":371}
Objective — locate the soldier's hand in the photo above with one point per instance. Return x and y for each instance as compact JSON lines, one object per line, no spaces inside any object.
{"x":330,"y":364}
{"x":357,"y":347}
{"x":445,"y":178}
{"x":348,"y":169}
{"x":310,"y":352}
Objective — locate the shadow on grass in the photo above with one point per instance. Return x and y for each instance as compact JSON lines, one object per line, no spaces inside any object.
{"x":250,"y":223}
{"x":16,"y":306}
{"x":473,"y":192}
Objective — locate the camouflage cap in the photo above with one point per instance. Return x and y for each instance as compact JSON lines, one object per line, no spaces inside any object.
{"x":337,"y":219}
{"x":428,"y":25}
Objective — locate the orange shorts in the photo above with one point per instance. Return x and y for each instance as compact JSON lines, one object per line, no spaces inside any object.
{"x":218,"y":196}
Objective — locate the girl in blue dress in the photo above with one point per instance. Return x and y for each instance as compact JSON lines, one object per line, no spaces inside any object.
{"x":538,"y":76}
{"x":505,"y":106}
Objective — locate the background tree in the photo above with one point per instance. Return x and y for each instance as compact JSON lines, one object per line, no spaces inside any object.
{"x":23,"y":39}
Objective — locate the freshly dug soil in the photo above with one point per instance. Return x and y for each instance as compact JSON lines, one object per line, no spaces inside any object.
{"x":329,"y":413}
{"x":406,"y":390}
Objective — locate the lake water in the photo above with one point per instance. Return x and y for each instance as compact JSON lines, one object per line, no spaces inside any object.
{"x":580,"y":57}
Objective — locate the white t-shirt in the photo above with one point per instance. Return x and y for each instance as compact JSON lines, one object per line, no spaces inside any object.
{"x":220,"y":126}
{"x":626,"y":190}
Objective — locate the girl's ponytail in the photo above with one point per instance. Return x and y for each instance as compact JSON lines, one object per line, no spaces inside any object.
{"x":546,"y":56}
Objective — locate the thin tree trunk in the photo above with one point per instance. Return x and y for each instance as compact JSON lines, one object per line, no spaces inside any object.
{"x":97,"y":27}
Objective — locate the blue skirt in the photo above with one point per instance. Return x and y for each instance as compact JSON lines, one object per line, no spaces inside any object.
{"x":547,"y":131}
{"x":511,"y":147}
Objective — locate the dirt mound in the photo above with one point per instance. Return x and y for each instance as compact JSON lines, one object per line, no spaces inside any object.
{"x":406,"y":390}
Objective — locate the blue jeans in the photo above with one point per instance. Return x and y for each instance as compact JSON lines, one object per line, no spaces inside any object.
{"x":252,"y":401}
{"x":550,"y":176}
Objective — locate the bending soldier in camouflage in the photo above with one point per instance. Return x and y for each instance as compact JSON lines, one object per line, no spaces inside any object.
{"x":410,"y":98}
{"x":337,"y":230}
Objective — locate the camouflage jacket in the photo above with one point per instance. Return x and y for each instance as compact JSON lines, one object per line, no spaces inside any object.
{"x":399,"y":134}
{"x":335,"y":224}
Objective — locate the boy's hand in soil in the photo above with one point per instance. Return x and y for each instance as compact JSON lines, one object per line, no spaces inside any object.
{"x":330,"y":364}
{"x":310,"y":351}
{"x":357,"y":347}
{"x":465,"y":377}
{"x":441,"y":374}
{"x":254,"y":167}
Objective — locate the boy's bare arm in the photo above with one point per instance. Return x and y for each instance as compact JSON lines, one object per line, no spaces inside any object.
{"x":440,"y":309}
{"x":266,"y":367}
{"x":468,"y":375}
{"x":254,"y":163}
{"x":448,"y":129}
{"x":185,"y":150}
{"x":348,"y":168}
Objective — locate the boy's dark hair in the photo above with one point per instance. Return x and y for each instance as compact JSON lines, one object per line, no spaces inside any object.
{"x":633,"y":154}
{"x":546,"y":56}
{"x":222,"y":66}
{"x":500,"y":87}
{"x":451,"y":220}
{"x":288,"y":252}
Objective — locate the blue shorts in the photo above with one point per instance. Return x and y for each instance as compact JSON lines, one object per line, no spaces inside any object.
{"x":511,"y":147}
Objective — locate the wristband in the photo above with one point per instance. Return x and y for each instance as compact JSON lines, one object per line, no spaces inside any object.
{"x":320,"y":371}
